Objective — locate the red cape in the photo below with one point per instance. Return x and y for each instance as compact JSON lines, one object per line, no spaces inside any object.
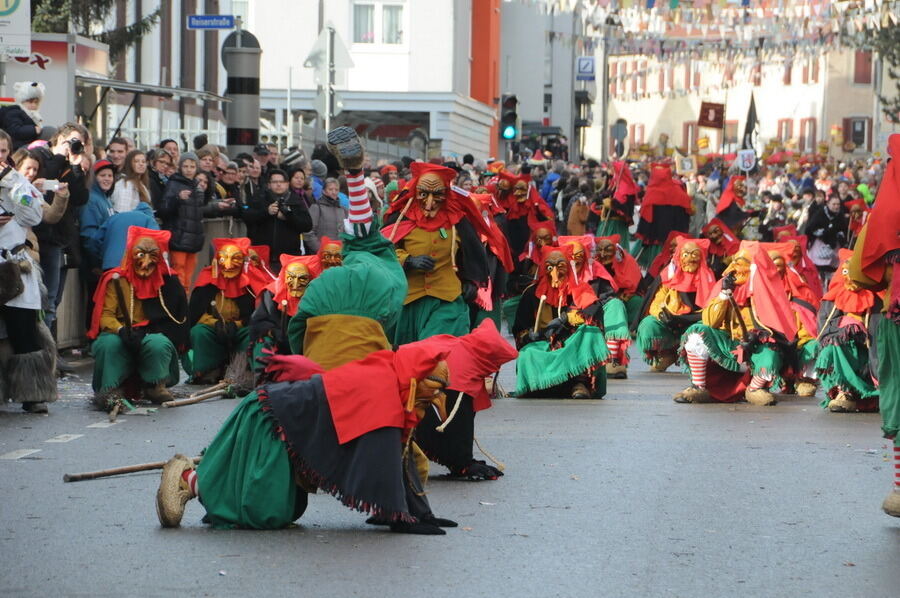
{"x":663,"y":190}
{"x":730,"y":242}
{"x":627,"y":271}
{"x":279,"y":289}
{"x":260,"y":276}
{"x":884,"y":221}
{"x":729,"y":196}
{"x":806,"y":268}
{"x":660,"y":261}
{"x":623,"y":184}
{"x":230,"y":287}
{"x":700,"y":282}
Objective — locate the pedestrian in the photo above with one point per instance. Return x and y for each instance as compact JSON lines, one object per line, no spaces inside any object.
{"x":133,"y":185}
{"x":182,"y":213}
{"x":22,"y":121}
{"x":319,"y":173}
{"x":116,"y":150}
{"x":300,"y":185}
{"x":162,"y":165}
{"x":327,"y":216}
{"x":828,"y":230}
{"x":92,"y":216}
{"x":279,"y":218}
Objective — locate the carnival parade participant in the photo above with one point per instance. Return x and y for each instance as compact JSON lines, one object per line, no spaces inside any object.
{"x":617,"y":210}
{"x":729,"y":209}
{"x":527,"y":266}
{"x":666,"y":206}
{"x":258,"y":271}
{"x":139,"y":324}
{"x":723,"y":243}
{"x":489,"y":298}
{"x":220,"y":308}
{"x":558,"y":331}
{"x":747,"y":310}
{"x":673,"y":302}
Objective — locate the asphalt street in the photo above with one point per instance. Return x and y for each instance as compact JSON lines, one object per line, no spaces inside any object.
{"x":630,"y":496}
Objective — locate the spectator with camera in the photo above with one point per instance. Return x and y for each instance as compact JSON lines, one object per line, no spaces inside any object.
{"x":277,"y":218}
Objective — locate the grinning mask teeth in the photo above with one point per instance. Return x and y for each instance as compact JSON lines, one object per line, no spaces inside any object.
{"x":430,"y":391}
{"x":332,"y":256}
{"x":778,"y":260}
{"x":431,"y":193}
{"x":690,"y":257}
{"x":557,"y":268}
{"x":521,"y":191}
{"x":231,"y":261}
{"x":145,"y":256}
{"x":296,"y":277}
{"x":606,"y":251}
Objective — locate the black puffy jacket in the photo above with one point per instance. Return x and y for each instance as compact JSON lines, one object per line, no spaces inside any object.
{"x":19,"y":125}
{"x":184,"y":217}
{"x":64,"y":233}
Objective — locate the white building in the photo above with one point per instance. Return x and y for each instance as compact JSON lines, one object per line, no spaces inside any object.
{"x":411,"y":75}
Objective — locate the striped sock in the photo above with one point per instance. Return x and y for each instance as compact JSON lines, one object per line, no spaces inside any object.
{"x":360,"y":208}
{"x":758,"y":382}
{"x":897,"y":467}
{"x":613,"y":348}
{"x":190,"y":476}
{"x":697,"y":365}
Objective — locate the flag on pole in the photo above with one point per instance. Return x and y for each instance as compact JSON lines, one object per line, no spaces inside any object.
{"x":750,"y":127}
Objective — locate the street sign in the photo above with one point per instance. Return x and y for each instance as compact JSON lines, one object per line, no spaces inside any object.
{"x":746,"y":159}
{"x":321,"y":103}
{"x":585,"y":68}
{"x":15,"y":28}
{"x":318,"y":58}
{"x":208,"y":21}
{"x":712,"y":115}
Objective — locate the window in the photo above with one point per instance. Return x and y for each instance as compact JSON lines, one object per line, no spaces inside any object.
{"x":613,"y":79}
{"x":815,"y":69}
{"x":637,"y":135}
{"x":363,"y":23}
{"x":634,"y":77}
{"x":642,"y":86}
{"x":808,"y":135}
{"x":785,"y":129}
{"x":392,"y":25}
{"x":377,"y":23}
{"x":731,"y":134}
{"x":859,"y":131}
{"x":862,"y":67}
{"x":788,"y":67}
{"x":689,"y":136}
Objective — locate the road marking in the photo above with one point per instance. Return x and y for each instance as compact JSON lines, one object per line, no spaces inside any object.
{"x":64,"y":438}
{"x":12,"y":456}
{"x":104,"y":424}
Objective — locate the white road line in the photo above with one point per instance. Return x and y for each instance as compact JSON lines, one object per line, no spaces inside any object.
{"x":64,"y":438}
{"x":104,"y":424}
{"x":12,"y":456}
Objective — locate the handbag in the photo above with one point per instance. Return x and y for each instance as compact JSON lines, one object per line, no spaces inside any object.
{"x":822,"y":254}
{"x":11,"y":283}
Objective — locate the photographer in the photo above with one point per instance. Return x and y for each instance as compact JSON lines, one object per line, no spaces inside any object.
{"x":277,"y":218}
{"x":59,"y":242}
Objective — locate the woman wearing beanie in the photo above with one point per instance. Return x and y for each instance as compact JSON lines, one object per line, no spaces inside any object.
{"x":22,"y":120}
{"x":181,"y":211}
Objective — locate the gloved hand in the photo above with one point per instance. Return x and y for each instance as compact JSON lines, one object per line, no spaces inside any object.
{"x":424,"y":263}
{"x":131,"y":338}
{"x":665,"y":316}
{"x":534,"y":336}
{"x":729,"y":282}
{"x":469,"y":291}
{"x":555,"y":326}
{"x":593,"y":313}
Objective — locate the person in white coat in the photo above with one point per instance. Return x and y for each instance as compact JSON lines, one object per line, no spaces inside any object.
{"x":27,"y":353}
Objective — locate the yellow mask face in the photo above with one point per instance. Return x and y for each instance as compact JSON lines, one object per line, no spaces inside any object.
{"x":254,"y":258}
{"x":431,"y":193}
{"x":606,"y":251}
{"x":521,"y":191}
{"x":332,"y":256}
{"x":231,"y":261}
{"x":740,"y":188}
{"x":849,"y":283}
{"x":690,"y":257}
{"x":145,"y":257}
{"x":503,"y":185}
{"x":557,"y":268}
{"x":740,"y":265}
{"x":779,"y":262}
{"x":796,"y":252}
{"x":296,"y":278}
{"x":578,"y":254}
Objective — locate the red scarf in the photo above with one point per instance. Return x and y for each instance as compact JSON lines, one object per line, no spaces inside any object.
{"x":850,"y":302}
{"x":231,"y":288}
{"x":279,"y":288}
{"x":660,"y":261}
{"x":700,"y":282}
{"x":663,"y":190}
{"x":260,"y":276}
{"x":532,"y":251}
{"x":626,"y":271}
{"x":568,"y":292}
{"x":806,"y":268}
{"x":729,"y":196}
{"x":494,"y":239}
{"x":623,"y":184}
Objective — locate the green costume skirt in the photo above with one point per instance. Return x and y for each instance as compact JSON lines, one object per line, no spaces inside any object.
{"x":653,"y":338}
{"x":633,"y":308}
{"x":888,"y":339}
{"x":509,"y":309}
{"x":208,"y":352}
{"x":539,"y":368}
{"x":113,"y":363}
{"x":428,"y":316}
{"x":478,"y":315}
{"x":764,"y":361}
{"x":808,"y":353}
{"x":245,"y":477}
{"x":615,"y":227}
{"x":615,"y":320}
{"x":645,"y":254}
{"x":842,"y":367}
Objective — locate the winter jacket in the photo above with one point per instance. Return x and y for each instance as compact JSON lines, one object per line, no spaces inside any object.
{"x":157,"y":188}
{"x":15,"y":121}
{"x":125,"y":196}
{"x":114,"y":232}
{"x":65,"y":232}
{"x":93,"y":215}
{"x":184,"y":217}
{"x":282,"y":236}
{"x":327,"y":221}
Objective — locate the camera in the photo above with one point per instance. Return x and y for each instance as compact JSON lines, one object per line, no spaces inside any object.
{"x":76,"y":146}
{"x":50,"y":185}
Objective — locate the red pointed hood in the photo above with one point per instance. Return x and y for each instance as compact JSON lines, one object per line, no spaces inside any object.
{"x":729,"y":196}
{"x":587,"y":242}
{"x":663,"y":190}
{"x":884,"y":220}
{"x":278,"y":287}
{"x":626,"y":271}
{"x":569,"y":291}
{"x":258,"y":273}
{"x":532,"y":251}
{"x":146,"y":288}
{"x":700,"y":282}
{"x":230,"y":287}
{"x":660,"y":261}
{"x":729,"y":243}
{"x":857,"y":301}
{"x":494,"y":238}
{"x":623,"y":184}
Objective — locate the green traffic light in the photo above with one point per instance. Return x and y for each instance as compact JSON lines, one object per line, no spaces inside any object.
{"x":509,"y":132}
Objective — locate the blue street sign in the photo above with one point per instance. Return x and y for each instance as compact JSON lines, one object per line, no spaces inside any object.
{"x":584,"y":70}
{"x":210,"y":22}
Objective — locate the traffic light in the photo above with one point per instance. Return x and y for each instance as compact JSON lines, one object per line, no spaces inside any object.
{"x":510,"y":128}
